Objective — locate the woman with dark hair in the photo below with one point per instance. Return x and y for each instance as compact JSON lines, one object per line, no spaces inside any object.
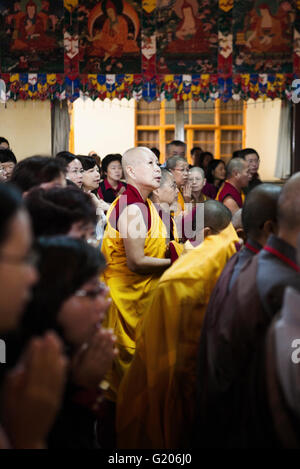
{"x":7,"y":162}
{"x":4,"y":143}
{"x":216,"y":175}
{"x":42,"y":171}
{"x":203,"y":159}
{"x":112,"y":186}
{"x":74,"y":170}
{"x":91,"y":180}
{"x":31,"y":392}
{"x":62,"y":211}
{"x":70,"y":300}
{"x":91,"y":173}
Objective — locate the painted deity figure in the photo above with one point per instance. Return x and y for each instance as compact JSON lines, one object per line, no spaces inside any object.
{"x":113,"y":39}
{"x":190,"y":35}
{"x":267,"y":27}
{"x":31,"y":32}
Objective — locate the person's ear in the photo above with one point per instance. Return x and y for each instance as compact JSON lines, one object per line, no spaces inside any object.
{"x":207,"y":231}
{"x":269,"y":228}
{"x":130,"y":172}
{"x":204,"y":182}
{"x":241,"y":234}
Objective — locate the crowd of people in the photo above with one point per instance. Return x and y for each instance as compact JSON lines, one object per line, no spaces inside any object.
{"x":147,"y":305}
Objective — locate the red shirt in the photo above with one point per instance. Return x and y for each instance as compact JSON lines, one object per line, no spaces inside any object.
{"x":110,"y":193}
{"x":129,"y":197}
{"x":228,"y":190}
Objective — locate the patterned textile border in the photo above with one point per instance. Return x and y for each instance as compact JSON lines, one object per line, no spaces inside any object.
{"x":178,"y":87}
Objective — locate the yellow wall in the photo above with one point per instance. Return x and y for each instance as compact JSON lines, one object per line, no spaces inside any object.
{"x":105,"y":127}
{"x":262,"y":126}
{"x":27,"y":126}
{"x":108,"y":127}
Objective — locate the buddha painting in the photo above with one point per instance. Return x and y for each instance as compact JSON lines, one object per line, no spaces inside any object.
{"x":190,"y":35}
{"x":267,"y":27}
{"x":31,"y":34}
{"x":113,"y":39}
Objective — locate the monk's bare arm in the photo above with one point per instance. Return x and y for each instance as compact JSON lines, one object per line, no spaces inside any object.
{"x":132,"y":229}
{"x":230,"y":203}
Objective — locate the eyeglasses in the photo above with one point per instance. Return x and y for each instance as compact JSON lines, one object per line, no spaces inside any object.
{"x":31,"y":258}
{"x":92,"y":294}
{"x":76,"y":171}
{"x":183,"y":170}
{"x":93,"y":241}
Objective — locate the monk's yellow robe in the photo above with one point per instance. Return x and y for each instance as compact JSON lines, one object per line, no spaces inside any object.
{"x":182,"y":248}
{"x":130,"y":292}
{"x":180,"y":201}
{"x":156,"y":401}
{"x":180,"y":205}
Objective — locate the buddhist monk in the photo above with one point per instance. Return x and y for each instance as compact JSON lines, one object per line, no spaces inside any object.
{"x":197,"y":181}
{"x":281,"y":370}
{"x":230,"y":193}
{"x":238,"y":224}
{"x":134,"y":245}
{"x":180,"y":169}
{"x":156,"y":398}
{"x":235,"y":359}
{"x":163,"y":198}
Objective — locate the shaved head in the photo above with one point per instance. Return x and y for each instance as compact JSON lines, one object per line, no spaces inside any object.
{"x":133,"y":157}
{"x":236,"y":164}
{"x":172,"y":162}
{"x":289,"y":204}
{"x":237,"y":220}
{"x":196,"y":169}
{"x":216,"y":215}
{"x":260,"y":206}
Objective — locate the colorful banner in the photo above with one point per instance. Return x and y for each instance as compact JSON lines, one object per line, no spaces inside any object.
{"x":31,"y":36}
{"x":178,"y":87}
{"x":110,"y":36}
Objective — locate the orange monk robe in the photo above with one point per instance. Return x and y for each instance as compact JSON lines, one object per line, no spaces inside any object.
{"x":130,"y":292}
{"x":156,"y":401}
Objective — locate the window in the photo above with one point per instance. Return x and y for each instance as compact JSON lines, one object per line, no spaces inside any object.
{"x":214,"y":126}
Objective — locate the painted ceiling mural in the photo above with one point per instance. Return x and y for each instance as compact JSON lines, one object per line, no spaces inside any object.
{"x":151,"y":49}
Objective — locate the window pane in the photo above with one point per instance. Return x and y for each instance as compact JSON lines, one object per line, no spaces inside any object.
{"x":148,"y":113}
{"x":148,"y":138}
{"x":170,"y":118}
{"x":148,"y":119}
{"x":203,"y":113}
{"x":232,"y":113}
{"x":205,"y":139}
{"x":231,"y":140}
{"x":170,"y":135}
{"x":231,"y":136}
